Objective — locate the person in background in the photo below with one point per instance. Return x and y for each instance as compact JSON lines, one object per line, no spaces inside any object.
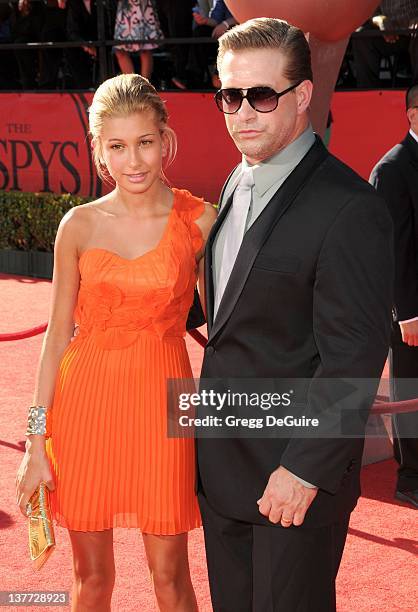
{"x":38,"y":22}
{"x":368,"y":51}
{"x":81,"y":27}
{"x":220,"y":19}
{"x":27,"y":22}
{"x":214,"y":23}
{"x":54,"y":30}
{"x":395,"y":178}
{"x":8,"y":65}
{"x":137,"y":19}
{"x":177,"y":23}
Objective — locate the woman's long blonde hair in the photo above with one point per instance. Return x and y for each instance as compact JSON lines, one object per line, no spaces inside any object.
{"x":121,"y":96}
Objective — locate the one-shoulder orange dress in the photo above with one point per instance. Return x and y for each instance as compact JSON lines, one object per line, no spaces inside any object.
{"x":113,"y":463}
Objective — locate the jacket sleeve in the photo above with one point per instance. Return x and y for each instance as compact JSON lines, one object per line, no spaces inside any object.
{"x":196,"y":316}
{"x":389,"y":182}
{"x":219,"y":11}
{"x":352,"y":300}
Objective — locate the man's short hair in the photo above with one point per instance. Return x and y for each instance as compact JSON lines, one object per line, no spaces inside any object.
{"x":268,"y":33}
{"x":411,"y":97}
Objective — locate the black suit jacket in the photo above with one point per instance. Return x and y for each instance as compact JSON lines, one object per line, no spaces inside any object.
{"x":395,"y":178}
{"x":309,"y":297}
{"x":82,"y":25}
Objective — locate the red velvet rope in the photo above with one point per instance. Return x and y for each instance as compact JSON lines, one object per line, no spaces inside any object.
{"x":379,"y":407}
{"x":27,"y":333}
{"x":196,"y":335}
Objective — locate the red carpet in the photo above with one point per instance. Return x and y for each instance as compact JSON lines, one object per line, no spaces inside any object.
{"x":378,"y":570}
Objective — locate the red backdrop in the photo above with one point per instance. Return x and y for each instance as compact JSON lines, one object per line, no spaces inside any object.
{"x":44,"y":144}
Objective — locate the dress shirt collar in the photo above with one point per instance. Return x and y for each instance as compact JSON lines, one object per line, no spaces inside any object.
{"x":414,"y":136}
{"x":280,"y":165}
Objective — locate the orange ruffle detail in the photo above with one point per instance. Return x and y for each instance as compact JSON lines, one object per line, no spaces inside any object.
{"x":192,"y":208}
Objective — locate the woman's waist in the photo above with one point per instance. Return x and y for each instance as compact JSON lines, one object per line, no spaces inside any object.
{"x":118,"y":337}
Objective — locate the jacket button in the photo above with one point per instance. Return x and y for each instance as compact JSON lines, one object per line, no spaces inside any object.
{"x":209,"y":350}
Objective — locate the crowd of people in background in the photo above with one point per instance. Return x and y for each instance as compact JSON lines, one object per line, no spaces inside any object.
{"x":370,"y":61}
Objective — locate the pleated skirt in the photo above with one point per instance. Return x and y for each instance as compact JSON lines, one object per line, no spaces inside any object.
{"x":112,"y":461}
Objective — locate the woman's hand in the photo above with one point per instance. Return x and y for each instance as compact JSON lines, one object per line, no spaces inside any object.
{"x":33,"y":470}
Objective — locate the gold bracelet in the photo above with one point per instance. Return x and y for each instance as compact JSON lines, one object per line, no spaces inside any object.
{"x":36,"y":421}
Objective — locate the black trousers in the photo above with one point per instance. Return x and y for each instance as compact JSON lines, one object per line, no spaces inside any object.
{"x":43,"y":24}
{"x":27,"y":29}
{"x":368,"y":52}
{"x":176,"y":20}
{"x":82,"y":69}
{"x":53,"y":30}
{"x":403,"y":361}
{"x":253,"y":568}
{"x":201,"y":56}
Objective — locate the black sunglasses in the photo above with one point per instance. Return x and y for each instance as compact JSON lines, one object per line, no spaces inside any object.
{"x":261,"y":99}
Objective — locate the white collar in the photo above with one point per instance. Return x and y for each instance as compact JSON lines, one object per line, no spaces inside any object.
{"x":414,"y":136}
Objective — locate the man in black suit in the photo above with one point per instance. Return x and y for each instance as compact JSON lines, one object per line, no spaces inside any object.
{"x":82,"y":27}
{"x":176,"y":21}
{"x":306,"y":294}
{"x":396,"y":179}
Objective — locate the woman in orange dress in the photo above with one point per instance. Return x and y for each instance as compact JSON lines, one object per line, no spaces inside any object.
{"x":125,"y":270}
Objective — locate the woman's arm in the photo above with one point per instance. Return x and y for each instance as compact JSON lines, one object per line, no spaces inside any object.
{"x":201,"y":284}
{"x":35,"y":466}
{"x":65,"y":284}
{"x":205,"y":223}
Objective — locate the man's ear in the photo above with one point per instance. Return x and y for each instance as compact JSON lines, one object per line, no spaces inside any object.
{"x":304,"y":95}
{"x":411,"y":113}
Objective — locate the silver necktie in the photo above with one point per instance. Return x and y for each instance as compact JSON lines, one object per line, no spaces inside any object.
{"x":235,"y":229}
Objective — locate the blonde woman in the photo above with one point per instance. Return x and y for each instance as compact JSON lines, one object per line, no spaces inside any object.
{"x":125,"y":271}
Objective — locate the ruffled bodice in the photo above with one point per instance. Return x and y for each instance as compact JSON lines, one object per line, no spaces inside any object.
{"x":119,"y":298}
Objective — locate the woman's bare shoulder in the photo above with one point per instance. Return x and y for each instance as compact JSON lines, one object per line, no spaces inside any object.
{"x":82,"y":216}
{"x":76,"y":225}
{"x":207,"y":218}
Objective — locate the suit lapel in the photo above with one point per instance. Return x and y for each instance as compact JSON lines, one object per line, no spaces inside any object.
{"x":412,"y":147}
{"x":258,"y":233}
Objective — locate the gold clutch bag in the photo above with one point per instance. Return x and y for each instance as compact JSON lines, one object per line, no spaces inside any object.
{"x":41,"y":530}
